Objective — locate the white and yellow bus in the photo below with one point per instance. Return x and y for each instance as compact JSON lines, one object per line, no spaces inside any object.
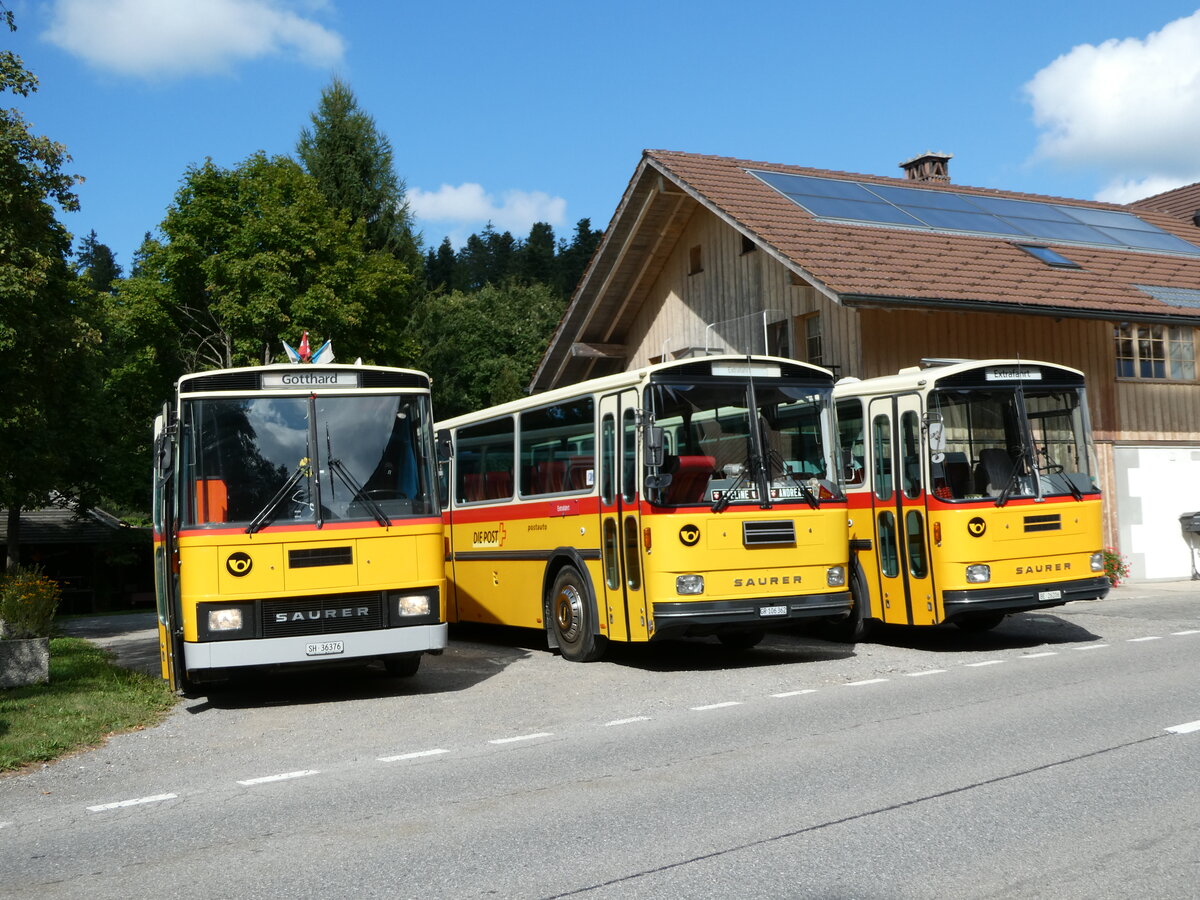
{"x":296,"y":520}
{"x":697,"y":497}
{"x":973,"y":492}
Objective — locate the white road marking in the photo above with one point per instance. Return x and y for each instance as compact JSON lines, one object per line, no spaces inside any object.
{"x":1139,"y":640}
{"x":521,"y":737}
{"x":1039,"y":655}
{"x":5,"y":824}
{"x":415,"y":755}
{"x":986,"y":662}
{"x":1186,"y":728}
{"x":796,"y":693}
{"x":867,"y":681}
{"x":628,"y":721}
{"x":283,"y":777}
{"x":1181,"y":633}
{"x":1091,"y":647}
{"x":716,"y":705}
{"x":925,"y":672}
{"x":157,"y":798}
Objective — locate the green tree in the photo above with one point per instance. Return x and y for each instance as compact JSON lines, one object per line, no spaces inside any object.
{"x":440,"y":274}
{"x":96,"y":264}
{"x":43,"y":329}
{"x":535,"y":259}
{"x":573,"y":257}
{"x":481,"y":347}
{"x":353,"y":165}
{"x":252,"y":255}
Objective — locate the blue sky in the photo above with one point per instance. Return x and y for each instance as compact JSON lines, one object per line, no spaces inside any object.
{"x":521,"y":111}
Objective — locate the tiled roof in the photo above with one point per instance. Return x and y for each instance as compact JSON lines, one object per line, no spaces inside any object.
{"x":62,"y":524}
{"x":894,"y":264}
{"x":1183,"y":202}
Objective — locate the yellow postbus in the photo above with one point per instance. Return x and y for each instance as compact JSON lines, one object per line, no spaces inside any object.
{"x":973,"y":492}
{"x":696,"y":497}
{"x":296,"y":520}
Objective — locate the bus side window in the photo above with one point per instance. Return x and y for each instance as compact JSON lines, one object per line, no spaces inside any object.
{"x":851,"y":440}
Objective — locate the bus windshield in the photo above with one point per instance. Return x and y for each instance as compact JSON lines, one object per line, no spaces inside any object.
{"x":1012,"y":442}
{"x":714,"y":455}
{"x":249,"y":461}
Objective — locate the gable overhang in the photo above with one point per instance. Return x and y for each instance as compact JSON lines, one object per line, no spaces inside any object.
{"x":649,"y":220}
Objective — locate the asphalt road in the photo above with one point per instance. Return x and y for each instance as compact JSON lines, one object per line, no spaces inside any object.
{"x":1054,"y":757}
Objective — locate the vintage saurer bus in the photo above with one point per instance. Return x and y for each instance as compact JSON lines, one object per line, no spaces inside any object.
{"x":696,"y":497}
{"x":973,"y":493}
{"x":296,"y":520}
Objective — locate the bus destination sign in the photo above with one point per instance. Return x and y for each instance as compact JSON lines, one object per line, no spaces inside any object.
{"x":307,"y":379}
{"x":1013,"y":373}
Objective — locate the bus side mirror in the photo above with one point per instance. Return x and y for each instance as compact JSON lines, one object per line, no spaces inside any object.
{"x":653,"y":446}
{"x":445,"y":446}
{"x":937,"y":438}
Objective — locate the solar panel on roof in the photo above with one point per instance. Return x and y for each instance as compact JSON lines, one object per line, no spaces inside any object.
{"x":1183,"y":297}
{"x":951,"y":211}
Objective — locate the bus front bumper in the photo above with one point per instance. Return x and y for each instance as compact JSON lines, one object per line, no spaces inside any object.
{"x":703,"y":617}
{"x":314,"y":648}
{"x":1024,"y":597}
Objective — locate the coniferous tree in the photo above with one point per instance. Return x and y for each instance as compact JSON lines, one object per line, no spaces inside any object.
{"x":352,"y":162}
{"x":440,"y":267}
{"x":535,"y":258}
{"x":573,"y":258}
{"x":96,"y":264}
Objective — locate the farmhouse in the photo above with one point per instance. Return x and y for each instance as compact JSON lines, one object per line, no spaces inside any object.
{"x":867,"y":274}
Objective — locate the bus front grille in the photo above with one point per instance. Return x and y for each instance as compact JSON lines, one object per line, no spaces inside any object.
{"x":322,"y":615}
{"x":759,"y":533}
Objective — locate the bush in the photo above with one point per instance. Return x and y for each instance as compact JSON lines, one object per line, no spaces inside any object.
{"x":28,"y":601}
{"x":1115,"y":566}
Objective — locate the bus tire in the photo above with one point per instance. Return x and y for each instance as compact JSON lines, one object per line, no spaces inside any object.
{"x":573,"y":618}
{"x":855,"y":626}
{"x":977,"y":623}
{"x":402,"y":665}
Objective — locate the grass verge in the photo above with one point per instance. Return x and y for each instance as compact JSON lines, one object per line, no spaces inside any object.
{"x":88,"y":698}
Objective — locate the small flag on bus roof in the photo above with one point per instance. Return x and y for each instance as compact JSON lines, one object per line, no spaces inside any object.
{"x":303,"y":354}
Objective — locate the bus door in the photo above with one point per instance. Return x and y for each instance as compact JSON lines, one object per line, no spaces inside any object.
{"x":166,"y":559}
{"x":898,"y":504}
{"x":624,"y":599}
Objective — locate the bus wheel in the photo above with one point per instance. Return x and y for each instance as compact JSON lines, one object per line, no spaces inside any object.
{"x":402,"y":665}
{"x":855,"y":626}
{"x":976,"y":623}
{"x":572,"y":619}
{"x":740,"y":640}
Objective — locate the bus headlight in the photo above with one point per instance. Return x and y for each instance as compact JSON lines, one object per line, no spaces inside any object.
{"x":1098,"y":561}
{"x":225,"y":619}
{"x":835,"y":576}
{"x":689,"y":584}
{"x":980,"y":573}
{"x":412,"y":604}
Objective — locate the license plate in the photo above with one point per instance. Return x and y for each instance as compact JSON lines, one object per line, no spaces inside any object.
{"x":1049,"y":595}
{"x":772,"y":610}
{"x":325,"y":648}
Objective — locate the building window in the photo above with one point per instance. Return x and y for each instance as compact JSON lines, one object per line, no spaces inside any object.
{"x":1156,"y":351}
{"x":695,"y":260}
{"x":779,"y":338}
{"x":748,"y":245}
{"x":813,"y":350}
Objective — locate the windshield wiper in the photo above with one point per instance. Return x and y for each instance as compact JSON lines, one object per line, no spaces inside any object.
{"x":720,"y":504}
{"x":809,"y":497}
{"x":268,"y":511}
{"x":360,"y":493}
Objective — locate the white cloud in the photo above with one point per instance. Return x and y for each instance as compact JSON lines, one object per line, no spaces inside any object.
{"x":149,"y":38}
{"x":469,"y":204}
{"x":1129,"y":109}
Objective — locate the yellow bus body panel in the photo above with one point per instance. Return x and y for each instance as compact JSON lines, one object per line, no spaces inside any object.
{"x":403,"y":555}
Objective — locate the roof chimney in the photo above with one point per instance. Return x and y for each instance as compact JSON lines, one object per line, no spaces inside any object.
{"x":928,"y":166}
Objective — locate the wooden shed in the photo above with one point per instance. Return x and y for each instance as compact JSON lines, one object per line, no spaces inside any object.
{"x":866,"y":274}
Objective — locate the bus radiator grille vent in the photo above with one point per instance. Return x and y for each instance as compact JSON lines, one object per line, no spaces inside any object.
{"x":227,"y":381}
{"x":324,"y":556}
{"x":1043,"y":523}
{"x":323,"y":615}
{"x":774,"y":534}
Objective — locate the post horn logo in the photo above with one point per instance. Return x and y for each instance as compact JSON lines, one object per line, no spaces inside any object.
{"x":239,"y":564}
{"x":976,"y":527}
{"x":689,"y":535}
